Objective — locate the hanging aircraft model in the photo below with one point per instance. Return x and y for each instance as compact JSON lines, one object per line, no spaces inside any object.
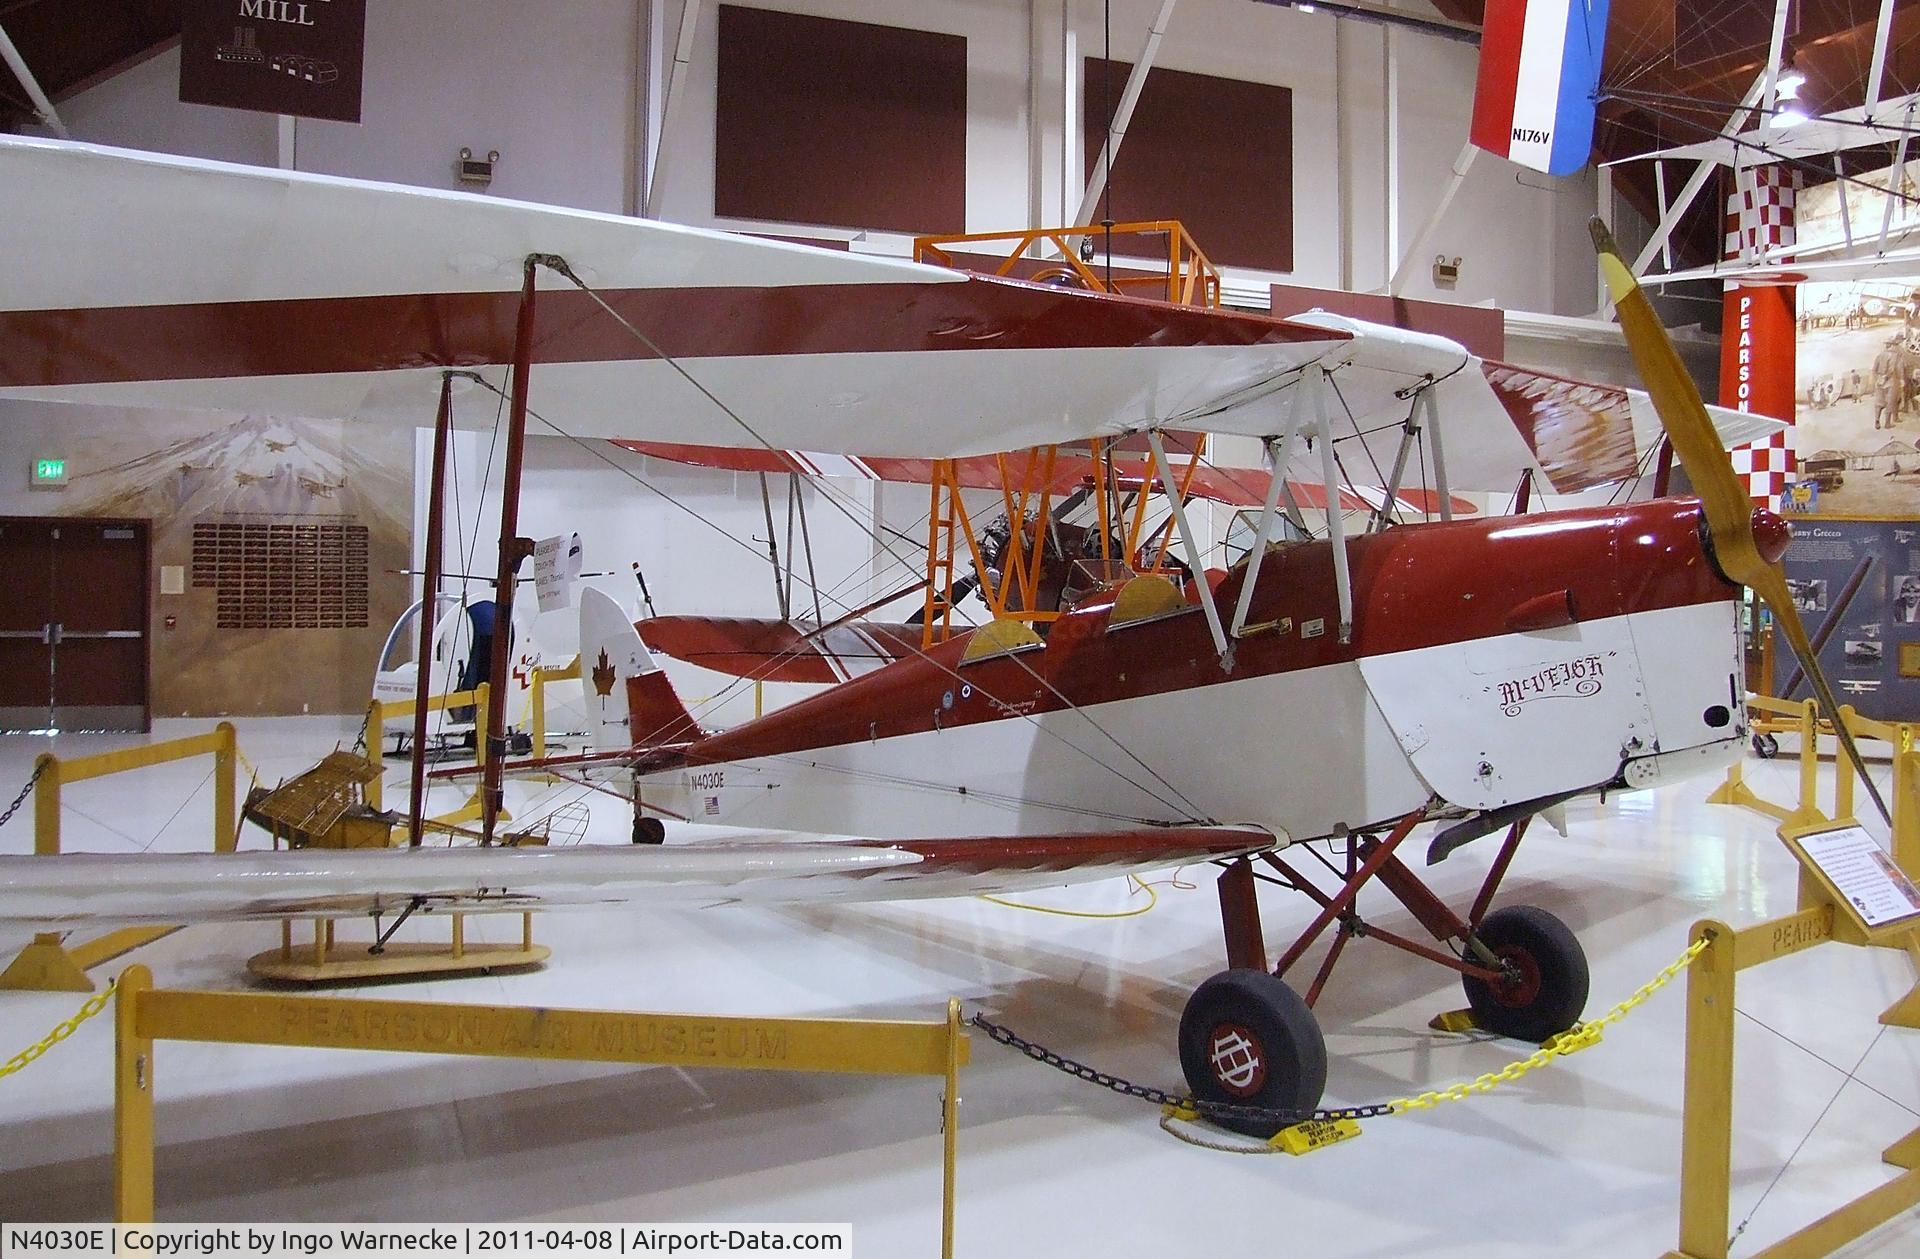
{"x":1341,"y":691}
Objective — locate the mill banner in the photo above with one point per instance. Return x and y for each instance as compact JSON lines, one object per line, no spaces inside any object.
{"x":300,"y":57}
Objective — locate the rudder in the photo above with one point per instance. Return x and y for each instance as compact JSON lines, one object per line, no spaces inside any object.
{"x":629,"y":700}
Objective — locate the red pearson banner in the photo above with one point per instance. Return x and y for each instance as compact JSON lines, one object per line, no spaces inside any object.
{"x":300,"y":57}
{"x":1756,"y":351}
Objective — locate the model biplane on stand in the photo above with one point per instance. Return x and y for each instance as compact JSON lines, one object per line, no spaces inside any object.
{"x":1347,"y":690}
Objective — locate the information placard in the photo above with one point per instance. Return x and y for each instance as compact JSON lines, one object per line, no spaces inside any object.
{"x":1861,"y":875}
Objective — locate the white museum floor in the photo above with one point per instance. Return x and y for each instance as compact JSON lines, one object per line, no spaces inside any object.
{"x":1580,"y":1158}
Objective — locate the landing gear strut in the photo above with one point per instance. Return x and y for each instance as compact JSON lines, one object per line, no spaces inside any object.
{"x":1247,"y":1037}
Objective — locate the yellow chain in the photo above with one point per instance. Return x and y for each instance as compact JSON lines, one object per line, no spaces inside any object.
{"x":246,"y":764}
{"x":1568,"y":1042}
{"x":88,"y":1008}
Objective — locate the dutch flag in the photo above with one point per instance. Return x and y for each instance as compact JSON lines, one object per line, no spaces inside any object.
{"x":1539,"y":74}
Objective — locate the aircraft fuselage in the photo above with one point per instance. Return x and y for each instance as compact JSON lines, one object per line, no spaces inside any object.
{"x":1491,"y":662}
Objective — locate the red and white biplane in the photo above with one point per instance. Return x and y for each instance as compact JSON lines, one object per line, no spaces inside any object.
{"x":1467,"y":673}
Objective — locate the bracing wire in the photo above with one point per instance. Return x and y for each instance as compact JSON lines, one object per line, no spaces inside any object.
{"x":560,"y":266}
{"x":1181,"y":804}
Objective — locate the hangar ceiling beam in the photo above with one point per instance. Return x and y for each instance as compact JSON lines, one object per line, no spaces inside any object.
{"x":1696,"y":181}
{"x":675,"y":93}
{"x":1876,"y":69}
{"x":41,"y":105}
{"x":1770,"y":77}
{"x":1123,"y":114}
{"x":1461,"y":165}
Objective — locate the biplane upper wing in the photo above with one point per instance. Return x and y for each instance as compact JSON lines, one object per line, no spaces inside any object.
{"x":767,"y":868}
{"x":302,"y":294}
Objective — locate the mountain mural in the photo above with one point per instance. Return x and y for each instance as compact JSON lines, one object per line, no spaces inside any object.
{"x":259,"y":467}
{"x":174,"y":470}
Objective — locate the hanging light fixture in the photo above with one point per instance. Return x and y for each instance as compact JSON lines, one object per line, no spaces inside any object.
{"x":1786,"y":95}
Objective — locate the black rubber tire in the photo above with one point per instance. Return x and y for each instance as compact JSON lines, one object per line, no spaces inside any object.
{"x":1247,"y":1022}
{"x":1766,"y":746}
{"x":1551,"y":995}
{"x":649,"y":830}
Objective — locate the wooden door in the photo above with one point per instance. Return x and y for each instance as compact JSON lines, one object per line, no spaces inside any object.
{"x":100,"y":625}
{"x":26,"y":620}
{"x":73,"y":634}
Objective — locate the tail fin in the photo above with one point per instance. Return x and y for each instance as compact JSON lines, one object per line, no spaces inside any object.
{"x":629,"y":700}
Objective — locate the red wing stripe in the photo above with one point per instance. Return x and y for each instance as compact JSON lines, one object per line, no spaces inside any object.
{"x":215,"y":340}
{"x":1146,"y":846}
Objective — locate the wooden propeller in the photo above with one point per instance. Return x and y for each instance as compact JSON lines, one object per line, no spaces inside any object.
{"x":1747,"y":541}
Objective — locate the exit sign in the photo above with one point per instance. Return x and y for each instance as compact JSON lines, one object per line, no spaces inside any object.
{"x":49,"y":474}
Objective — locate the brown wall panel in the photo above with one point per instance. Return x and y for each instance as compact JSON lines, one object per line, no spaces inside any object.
{"x":1482,"y":329}
{"x":1217,"y":154}
{"x":840,"y":123}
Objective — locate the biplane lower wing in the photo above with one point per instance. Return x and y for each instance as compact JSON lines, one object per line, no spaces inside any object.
{"x":1071,"y":470}
{"x":773,"y":867}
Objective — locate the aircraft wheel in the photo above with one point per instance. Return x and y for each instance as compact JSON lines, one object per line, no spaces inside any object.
{"x":1766,"y":746}
{"x":1249,"y":1040}
{"x":1548,"y":990}
{"x":649,"y":830}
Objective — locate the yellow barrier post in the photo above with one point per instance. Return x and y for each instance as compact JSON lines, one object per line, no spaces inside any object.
{"x":538,"y":704}
{"x":375,"y":791}
{"x":1906,"y":804}
{"x":46,"y":805}
{"x":48,"y":964}
{"x":226,"y":829}
{"x":132,"y":1102}
{"x":378,"y":712}
{"x":1707,"y":1119}
{"x":145,"y":1015}
{"x":1807,"y":812}
{"x":1706,"y":1131}
{"x":950,"y":1126}
{"x":43,"y":966}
